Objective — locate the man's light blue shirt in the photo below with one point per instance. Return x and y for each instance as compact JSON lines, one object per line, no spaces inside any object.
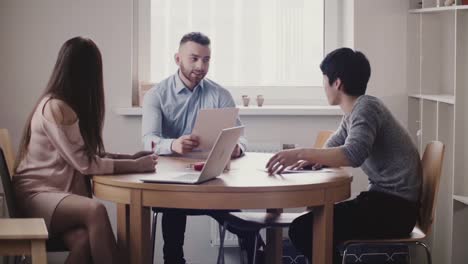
{"x":170,"y":110}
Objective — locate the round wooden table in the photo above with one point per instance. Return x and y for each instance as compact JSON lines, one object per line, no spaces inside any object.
{"x":245,"y":186}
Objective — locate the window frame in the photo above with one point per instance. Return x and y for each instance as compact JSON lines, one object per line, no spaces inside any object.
{"x":337,"y":27}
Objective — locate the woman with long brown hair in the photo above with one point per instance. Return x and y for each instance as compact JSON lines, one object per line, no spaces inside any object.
{"x":61,"y":145}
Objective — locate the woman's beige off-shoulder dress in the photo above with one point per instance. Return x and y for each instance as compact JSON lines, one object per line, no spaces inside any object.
{"x":54,"y":167}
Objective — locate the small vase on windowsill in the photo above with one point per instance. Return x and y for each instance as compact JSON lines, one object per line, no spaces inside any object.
{"x":245,"y":100}
{"x":449,"y":2}
{"x":260,"y":100}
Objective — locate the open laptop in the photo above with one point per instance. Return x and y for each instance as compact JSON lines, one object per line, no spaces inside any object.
{"x":217,"y":159}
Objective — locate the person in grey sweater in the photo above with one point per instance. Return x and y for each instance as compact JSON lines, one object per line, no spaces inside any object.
{"x":369,"y":137}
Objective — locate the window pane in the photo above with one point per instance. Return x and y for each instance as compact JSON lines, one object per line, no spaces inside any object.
{"x":253,"y":42}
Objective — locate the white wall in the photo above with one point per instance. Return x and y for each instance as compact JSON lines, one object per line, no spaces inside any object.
{"x":33,"y":31}
{"x":380,"y":32}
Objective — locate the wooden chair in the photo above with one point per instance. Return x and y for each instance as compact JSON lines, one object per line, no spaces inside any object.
{"x":24,"y":236}
{"x":255,"y":221}
{"x":16,"y":239}
{"x":432,"y":166}
{"x":52,"y":244}
{"x":322,"y":137}
{"x":5,"y":144}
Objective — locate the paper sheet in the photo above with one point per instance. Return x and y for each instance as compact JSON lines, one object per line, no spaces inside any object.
{"x":209,"y":124}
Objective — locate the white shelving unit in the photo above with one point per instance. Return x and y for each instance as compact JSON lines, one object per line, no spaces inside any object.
{"x":437,"y":52}
{"x":437,"y":9}
{"x":443,"y":98}
{"x":461,"y":199}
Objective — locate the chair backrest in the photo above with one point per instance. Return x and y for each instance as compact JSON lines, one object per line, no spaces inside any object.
{"x":5,"y":144}
{"x":431,"y":168}
{"x":7,"y":186}
{"x":322,"y":137}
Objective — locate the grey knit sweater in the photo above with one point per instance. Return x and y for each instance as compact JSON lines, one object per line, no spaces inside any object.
{"x":375,"y":141}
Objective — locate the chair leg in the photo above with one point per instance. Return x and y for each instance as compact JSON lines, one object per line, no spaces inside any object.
{"x":263,"y":245}
{"x":222,"y":242}
{"x":241,"y":254}
{"x":153,"y":234}
{"x":409,"y":257}
{"x":222,"y":234}
{"x":255,"y":249}
{"x":428,"y":253}
{"x":345,"y":251}
{"x":418,"y":243}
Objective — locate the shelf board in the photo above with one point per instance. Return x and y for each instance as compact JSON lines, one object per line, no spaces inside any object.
{"x":444,"y":98}
{"x":461,"y":199}
{"x":438,"y":9}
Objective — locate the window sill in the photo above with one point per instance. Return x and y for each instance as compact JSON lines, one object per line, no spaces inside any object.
{"x":268,"y":110}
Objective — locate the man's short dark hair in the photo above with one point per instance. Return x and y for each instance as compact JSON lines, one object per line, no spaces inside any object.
{"x":196,"y":37}
{"x":351,"y":67}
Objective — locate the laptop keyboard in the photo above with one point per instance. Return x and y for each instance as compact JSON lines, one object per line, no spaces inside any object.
{"x":188,"y":177}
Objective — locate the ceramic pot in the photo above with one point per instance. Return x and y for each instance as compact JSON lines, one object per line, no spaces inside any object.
{"x":260,"y":100}
{"x":245,"y":100}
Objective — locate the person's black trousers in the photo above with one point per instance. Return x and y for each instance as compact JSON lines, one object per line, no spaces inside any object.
{"x":173,"y":231}
{"x":370,"y":215}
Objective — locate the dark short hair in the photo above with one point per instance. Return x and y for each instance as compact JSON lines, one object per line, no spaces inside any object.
{"x":351,"y":67}
{"x":196,"y":37}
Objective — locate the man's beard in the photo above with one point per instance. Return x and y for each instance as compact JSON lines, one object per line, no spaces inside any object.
{"x":195,"y":79}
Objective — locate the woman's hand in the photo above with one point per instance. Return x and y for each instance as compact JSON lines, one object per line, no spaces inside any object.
{"x":281,"y":160}
{"x":140,"y":154}
{"x":147,"y":163}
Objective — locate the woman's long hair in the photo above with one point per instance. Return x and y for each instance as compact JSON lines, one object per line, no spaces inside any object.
{"x":77,"y":80}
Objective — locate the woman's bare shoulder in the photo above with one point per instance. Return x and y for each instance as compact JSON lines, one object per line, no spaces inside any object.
{"x":59,"y":112}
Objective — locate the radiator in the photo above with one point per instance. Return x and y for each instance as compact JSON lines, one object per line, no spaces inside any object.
{"x":230,"y":240}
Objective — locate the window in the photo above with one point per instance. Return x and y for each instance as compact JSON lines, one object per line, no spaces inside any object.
{"x":269,"y":47}
{"x":253,"y":42}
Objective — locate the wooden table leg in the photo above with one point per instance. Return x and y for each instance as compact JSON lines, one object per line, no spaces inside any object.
{"x":38,"y":252}
{"x":139,"y":230}
{"x":322,"y":251}
{"x":123,"y":230}
{"x":274,"y":244}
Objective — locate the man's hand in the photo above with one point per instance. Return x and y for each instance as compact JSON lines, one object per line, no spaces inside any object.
{"x":281,"y":160}
{"x":236,"y":152}
{"x":185,"y":144}
{"x":305,"y":165}
{"x":300,"y":165}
